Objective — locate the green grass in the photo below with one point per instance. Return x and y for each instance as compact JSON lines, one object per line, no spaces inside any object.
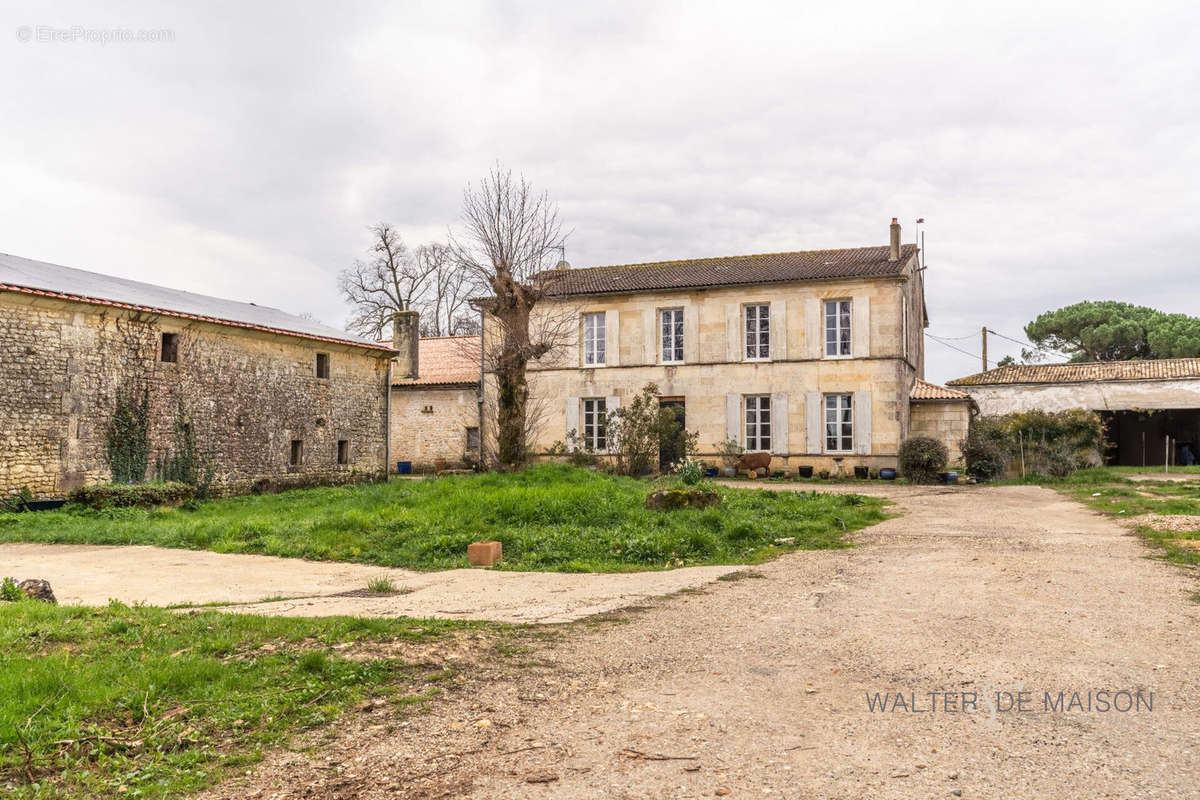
{"x":550,"y":517}
{"x":1110,"y":491}
{"x":142,"y":702}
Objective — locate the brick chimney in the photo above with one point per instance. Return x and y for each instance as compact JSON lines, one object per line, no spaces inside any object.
{"x":894,"y":248}
{"x":406,"y":337}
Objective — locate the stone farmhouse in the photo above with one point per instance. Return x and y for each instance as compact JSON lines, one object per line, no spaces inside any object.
{"x":1150,"y":409}
{"x":815,"y":357}
{"x":269,"y":399}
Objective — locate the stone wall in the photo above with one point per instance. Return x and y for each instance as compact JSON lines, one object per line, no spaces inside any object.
{"x":246,"y":395}
{"x":944,"y":420}
{"x":879,"y":372}
{"x":430,"y":423}
{"x":1096,"y":396}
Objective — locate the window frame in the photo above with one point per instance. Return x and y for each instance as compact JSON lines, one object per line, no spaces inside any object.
{"x":478,"y":439}
{"x":843,"y":425}
{"x":593,"y":427}
{"x":593,"y":341}
{"x":754,"y":442}
{"x":676,"y":333}
{"x":322,"y":359}
{"x":844,"y":334}
{"x":296,"y":453}
{"x":762,"y":315}
{"x":168,"y":342}
{"x":343,"y":452}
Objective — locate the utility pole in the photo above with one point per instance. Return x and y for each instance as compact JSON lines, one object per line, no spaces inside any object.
{"x":985,"y":348}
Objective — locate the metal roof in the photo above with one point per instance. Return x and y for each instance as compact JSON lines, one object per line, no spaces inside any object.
{"x":53,"y":280}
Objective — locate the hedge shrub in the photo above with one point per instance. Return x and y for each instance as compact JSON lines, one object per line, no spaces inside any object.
{"x":132,"y":495}
{"x":922,"y":458}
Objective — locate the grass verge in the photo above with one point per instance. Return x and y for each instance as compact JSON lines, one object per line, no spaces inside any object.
{"x":550,"y":517}
{"x":141,"y":702}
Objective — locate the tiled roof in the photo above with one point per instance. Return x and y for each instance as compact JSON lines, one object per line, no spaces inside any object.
{"x":445,"y":361}
{"x":924,"y":390}
{"x":1159,"y":369}
{"x":25,"y":276}
{"x":804,"y":265}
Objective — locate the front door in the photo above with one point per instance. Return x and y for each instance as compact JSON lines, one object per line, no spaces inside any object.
{"x":670,"y":448}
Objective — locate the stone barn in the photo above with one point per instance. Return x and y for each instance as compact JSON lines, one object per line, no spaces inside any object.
{"x":1151,"y":409}
{"x":941,"y":413}
{"x":435,"y":399}
{"x":97,"y":371}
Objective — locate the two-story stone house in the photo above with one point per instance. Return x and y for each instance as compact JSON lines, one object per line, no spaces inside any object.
{"x":812,"y":356}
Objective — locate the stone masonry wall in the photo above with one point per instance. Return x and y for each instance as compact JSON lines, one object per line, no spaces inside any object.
{"x":430,"y":422}
{"x":246,"y":394}
{"x":946,"y":421}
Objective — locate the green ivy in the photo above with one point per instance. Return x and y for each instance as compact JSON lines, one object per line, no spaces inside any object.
{"x":129,"y":437}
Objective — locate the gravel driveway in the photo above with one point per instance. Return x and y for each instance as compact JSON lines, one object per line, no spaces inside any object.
{"x":757,"y":687}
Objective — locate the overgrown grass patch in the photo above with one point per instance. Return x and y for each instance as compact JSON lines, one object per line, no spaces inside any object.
{"x":550,"y":517}
{"x":142,"y":702}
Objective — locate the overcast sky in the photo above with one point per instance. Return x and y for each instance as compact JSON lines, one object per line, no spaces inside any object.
{"x":1053,"y":148}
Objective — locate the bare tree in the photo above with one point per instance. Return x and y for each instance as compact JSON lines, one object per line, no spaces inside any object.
{"x":511,"y":235}
{"x":444,"y":305}
{"x":390,"y":280}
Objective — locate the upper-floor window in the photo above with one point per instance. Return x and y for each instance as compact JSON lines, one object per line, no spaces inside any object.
{"x":837,"y":327}
{"x":671,"y":326}
{"x":758,"y":422}
{"x":170,"y":348}
{"x":839,"y":423}
{"x":758,"y":331}
{"x":593,"y":339}
{"x":595,"y":434}
{"x":322,"y":365}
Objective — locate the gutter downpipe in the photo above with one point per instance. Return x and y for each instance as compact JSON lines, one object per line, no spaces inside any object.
{"x":387,"y":424}
{"x":479,"y":400}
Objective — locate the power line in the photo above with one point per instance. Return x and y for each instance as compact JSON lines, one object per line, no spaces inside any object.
{"x":975,"y":356}
{"x":1014,"y":341}
{"x":957,"y":338}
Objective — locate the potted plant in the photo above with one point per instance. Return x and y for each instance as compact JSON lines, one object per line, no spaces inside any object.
{"x":805,"y":471}
{"x":887,"y":474}
{"x":730,"y":451}
{"x":824,"y":474}
{"x":861,"y":472}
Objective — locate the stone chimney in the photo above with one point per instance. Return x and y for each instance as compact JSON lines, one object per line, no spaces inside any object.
{"x":894,"y":248}
{"x":406,"y":337}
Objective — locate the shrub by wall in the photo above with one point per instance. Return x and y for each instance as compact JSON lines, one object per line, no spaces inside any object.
{"x":922,"y":458}
{"x":132,"y":495}
{"x":1049,"y":443}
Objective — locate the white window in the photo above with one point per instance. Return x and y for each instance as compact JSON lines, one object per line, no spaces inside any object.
{"x":758,"y":422}
{"x":839,"y":423}
{"x":671,"y":325}
{"x":593,"y":339}
{"x":595,"y":409}
{"x":837,"y":327}
{"x":758,"y":332}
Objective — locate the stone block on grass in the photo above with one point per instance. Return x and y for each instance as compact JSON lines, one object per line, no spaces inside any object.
{"x":484,"y":554}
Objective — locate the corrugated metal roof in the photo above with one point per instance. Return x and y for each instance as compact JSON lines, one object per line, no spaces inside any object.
{"x":39,"y":277}
{"x":802,"y":265}
{"x":445,"y":361}
{"x":1157,"y":369}
{"x":924,"y":390}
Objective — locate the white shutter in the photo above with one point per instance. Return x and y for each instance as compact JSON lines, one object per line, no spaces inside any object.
{"x":573,"y":423}
{"x":611,"y":404}
{"x":860,"y":327}
{"x":650,"y":334}
{"x":779,"y":423}
{"x":691,"y":334}
{"x":813,"y":423}
{"x":778,"y":330}
{"x":612,"y":338}
{"x":814,"y":328}
{"x":862,"y":423}
{"x":733,"y":332}
{"x":733,"y":417}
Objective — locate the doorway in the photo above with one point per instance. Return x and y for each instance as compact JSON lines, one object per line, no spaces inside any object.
{"x":670,"y":446}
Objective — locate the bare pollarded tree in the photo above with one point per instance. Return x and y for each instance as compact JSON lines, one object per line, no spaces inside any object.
{"x":445,"y":302}
{"x":511,"y":235}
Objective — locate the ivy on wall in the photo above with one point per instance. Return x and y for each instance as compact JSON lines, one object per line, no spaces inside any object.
{"x":128,"y":441}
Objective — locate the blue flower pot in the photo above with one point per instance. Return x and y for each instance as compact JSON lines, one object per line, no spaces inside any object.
{"x":403,"y":467}
{"x":887,"y":474}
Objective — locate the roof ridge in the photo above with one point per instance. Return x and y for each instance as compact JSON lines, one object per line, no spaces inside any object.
{"x":669,"y":262}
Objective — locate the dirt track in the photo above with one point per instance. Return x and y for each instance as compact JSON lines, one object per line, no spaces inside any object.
{"x":761,"y":683}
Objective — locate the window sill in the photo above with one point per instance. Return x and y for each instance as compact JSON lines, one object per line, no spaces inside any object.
{"x":766,"y":360}
{"x":836,"y":358}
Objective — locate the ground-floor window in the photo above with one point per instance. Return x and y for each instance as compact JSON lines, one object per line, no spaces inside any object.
{"x":595,"y":409}
{"x":297,"y":453}
{"x":472,"y":440}
{"x":839,"y":423}
{"x":343,"y":452}
{"x":758,"y":422}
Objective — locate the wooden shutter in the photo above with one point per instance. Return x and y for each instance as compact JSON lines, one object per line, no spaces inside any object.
{"x":814,"y":328}
{"x":779,"y":423}
{"x":860,"y":327}
{"x":813,"y":423}
{"x":778,"y":330}
{"x":862,"y":423}
{"x":573,"y":423}
{"x":734,"y":345}
{"x":650,"y":332}
{"x":691,"y":334}
{"x":733,"y":417}
{"x":612,"y":338}
{"x":611,"y":404}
